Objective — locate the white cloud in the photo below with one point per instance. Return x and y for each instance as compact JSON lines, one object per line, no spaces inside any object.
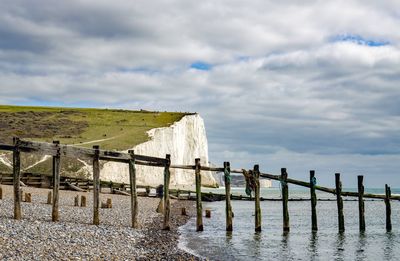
{"x":279,"y":87}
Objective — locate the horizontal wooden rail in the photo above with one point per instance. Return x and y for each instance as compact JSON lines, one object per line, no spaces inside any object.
{"x":291,"y":181}
{"x":87,"y":153}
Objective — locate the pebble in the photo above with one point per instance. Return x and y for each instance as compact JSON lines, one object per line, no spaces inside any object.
{"x":36,"y":237}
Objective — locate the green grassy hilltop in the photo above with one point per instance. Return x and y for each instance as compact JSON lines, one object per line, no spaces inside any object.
{"x":109,"y":128}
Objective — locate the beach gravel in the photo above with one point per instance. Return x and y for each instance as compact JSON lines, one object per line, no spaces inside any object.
{"x":36,"y":237}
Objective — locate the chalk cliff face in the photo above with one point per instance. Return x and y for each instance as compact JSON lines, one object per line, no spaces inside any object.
{"x":185,"y":140}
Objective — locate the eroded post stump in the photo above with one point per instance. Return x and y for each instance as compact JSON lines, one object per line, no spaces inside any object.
{"x":76,"y":201}
{"x":28,"y":197}
{"x":49,"y":197}
{"x":83,"y":201}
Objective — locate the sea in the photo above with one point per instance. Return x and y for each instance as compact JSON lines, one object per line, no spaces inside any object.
{"x":300,"y":243}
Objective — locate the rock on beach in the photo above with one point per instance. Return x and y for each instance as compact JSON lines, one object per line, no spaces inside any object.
{"x":36,"y":237}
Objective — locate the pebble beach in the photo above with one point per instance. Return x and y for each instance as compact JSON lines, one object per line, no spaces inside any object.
{"x":36,"y":237}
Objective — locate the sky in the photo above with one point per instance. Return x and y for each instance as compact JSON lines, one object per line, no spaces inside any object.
{"x":296,"y":84}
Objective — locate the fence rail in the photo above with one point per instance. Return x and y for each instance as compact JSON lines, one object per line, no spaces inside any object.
{"x":252,"y":177}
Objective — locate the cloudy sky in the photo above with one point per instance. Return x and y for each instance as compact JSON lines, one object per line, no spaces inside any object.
{"x":303,"y":86}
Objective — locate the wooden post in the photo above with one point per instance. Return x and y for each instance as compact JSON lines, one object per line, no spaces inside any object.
{"x":83,"y":201}
{"x":314,"y":225}
{"x":388,"y":194}
{"x":28,"y":197}
{"x":228,"y":207}
{"x":56,"y":183}
{"x":134,"y":201}
{"x":167,"y":204}
{"x":49,"y":197}
{"x":183,"y":211}
{"x":76,"y":201}
{"x":361,"y":209}
{"x":285,"y":198}
{"x":257,"y":219}
{"x":17,"y":175}
{"x":96,"y":185}
{"x":109,"y":203}
{"x":199,"y":220}
{"x":339,"y":201}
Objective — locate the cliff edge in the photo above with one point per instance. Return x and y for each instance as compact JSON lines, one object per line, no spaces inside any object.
{"x":185,"y":140}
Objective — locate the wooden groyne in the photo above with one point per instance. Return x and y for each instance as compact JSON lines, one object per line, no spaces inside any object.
{"x":252,"y":177}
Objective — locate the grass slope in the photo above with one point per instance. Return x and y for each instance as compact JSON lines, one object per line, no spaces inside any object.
{"x":111,"y":129}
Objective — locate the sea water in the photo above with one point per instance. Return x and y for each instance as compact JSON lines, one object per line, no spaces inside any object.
{"x":300,"y":243}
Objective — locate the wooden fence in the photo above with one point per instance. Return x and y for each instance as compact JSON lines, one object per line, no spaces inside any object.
{"x":56,"y":150}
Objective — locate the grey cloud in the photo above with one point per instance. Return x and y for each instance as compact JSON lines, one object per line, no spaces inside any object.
{"x":297,"y":100}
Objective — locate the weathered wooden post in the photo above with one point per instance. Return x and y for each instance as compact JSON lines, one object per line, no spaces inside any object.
{"x":388,"y":194}
{"x":228,"y":207}
{"x":285,"y":198}
{"x":56,"y":182}
{"x":361,"y":209}
{"x":96,"y":185}
{"x":167,"y":203}
{"x":83,"y":201}
{"x":49,"y":197}
{"x":313,"y":182}
{"x":199,"y":220}
{"x":256,"y":174}
{"x":183,"y":211}
{"x":17,"y":175}
{"x":134,"y":200}
{"x":28,"y":197}
{"x":339,"y":201}
{"x":76,"y":201}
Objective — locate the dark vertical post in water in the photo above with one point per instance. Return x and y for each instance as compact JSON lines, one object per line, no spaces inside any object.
{"x":199,"y":220}
{"x":361,"y":209}
{"x":228,"y":208}
{"x":339,"y":201}
{"x":256,"y":173}
{"x":134,"y":201}
{"x":388,"y":194}
{"x":56,"y":183}
{"x":17,"y":175}
{"x":96,"y":185}
{"x":314,"y":224}
{"x":285,"y":198}
{"x":167,"y":204}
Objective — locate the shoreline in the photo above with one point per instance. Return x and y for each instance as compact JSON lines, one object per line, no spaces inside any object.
{"x":75,"y":238}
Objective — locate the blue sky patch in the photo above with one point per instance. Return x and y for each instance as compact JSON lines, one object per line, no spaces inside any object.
{"x":357,"y":39}
{"x":201,"y":66}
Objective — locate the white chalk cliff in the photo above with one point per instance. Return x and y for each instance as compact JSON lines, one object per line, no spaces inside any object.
{"x":185,"y":140}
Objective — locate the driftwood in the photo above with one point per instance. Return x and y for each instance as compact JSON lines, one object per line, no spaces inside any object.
{"x":120,"y":192}
{"x":73,"y":187}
